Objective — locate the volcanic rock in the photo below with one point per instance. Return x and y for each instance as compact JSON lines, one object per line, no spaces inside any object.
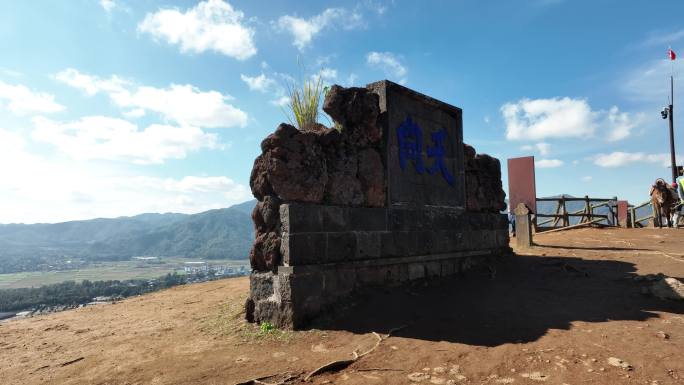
{"x":372,"y":176}
{"x":265,"y":253}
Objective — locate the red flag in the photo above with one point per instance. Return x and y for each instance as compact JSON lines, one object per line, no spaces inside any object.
{"x":671,"y":54}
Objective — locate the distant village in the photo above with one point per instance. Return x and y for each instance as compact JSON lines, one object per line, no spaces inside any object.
{"x":200,"y":271}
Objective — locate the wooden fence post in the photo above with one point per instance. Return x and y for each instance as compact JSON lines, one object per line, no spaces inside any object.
{"x":590,"y":211}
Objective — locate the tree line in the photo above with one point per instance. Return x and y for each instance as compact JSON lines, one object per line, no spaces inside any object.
{"x":76,"y":293}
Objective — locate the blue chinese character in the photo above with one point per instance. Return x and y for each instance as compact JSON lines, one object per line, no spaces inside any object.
{"x":410,"y":138}
{"x":438,"y":152}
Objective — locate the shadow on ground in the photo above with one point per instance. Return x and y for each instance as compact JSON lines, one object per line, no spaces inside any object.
{"x":593,"y":248}
{"x":519,"y":302}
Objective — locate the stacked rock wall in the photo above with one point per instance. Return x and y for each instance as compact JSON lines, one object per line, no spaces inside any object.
{"x":322,"y":166}
{"x":333,"y":216}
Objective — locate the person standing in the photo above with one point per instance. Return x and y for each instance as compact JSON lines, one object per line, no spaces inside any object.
{"x":679,"y":186}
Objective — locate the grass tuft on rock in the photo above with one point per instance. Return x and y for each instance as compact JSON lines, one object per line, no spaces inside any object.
{"x":304,"y":104}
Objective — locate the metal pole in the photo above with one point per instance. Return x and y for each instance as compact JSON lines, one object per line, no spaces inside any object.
{"x":672,"y":146}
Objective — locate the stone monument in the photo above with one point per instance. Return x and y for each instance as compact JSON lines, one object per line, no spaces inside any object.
{"x":393,"y":196}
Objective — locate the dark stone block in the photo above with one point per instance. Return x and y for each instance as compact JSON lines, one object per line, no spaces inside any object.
{"x":405,"y":243}
{"x":368,"y":245}
{"x":455,"y":240}
{"x":416,"y":271}
{"x":433,"y":269}
{"x":367,"y":219}
{"x":311,"y":305}
{"x":266,"y":311}
{"x":469,"y":241}
{"x":406,"y":185}
{"x":301,"y":218}
{"x":406,"y":220}
{"x":341,"y":247}
{"x":443,"y":241}
{"x":368,"y":276}
{"x":304,"y":248}
{"x":388,"y":247}
{"x":391,"y":275}
{"x":288,"y":317}
{"x":447,"y":268}
{"x":260,"y":285}
{"x":338,"y":283}
{"x":336,"y":219}
{"x":488,"y":240}
{"x":403,"y":272}
{"x":284,"y":286}
{"x":502,"y":238}
{"x":249,"y":310}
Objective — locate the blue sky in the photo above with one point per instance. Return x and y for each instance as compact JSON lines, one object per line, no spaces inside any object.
{"x":115,"y":107}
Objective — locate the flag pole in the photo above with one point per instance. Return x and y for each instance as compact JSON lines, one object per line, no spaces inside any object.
{"x":671,"y":121}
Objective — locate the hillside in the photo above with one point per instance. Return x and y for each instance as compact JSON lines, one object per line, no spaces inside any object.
{"x":221,"y":233}
{"x":555,"y":314}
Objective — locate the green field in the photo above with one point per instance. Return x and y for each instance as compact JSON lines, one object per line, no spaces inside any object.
{"x":103,"y":271}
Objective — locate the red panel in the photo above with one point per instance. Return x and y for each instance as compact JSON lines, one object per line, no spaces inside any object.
{"x":521,"y":183}
{"x":622,"y":213}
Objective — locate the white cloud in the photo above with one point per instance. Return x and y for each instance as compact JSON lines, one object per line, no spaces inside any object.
{"x":11,"y":72}
{"x":281,"y":101}
{"x":542,"y":148}
{"x":663,"y":39}
{"x":536,"y":119}
{"x":211,"y":25}
{"x":91,"y":85}
{"x":327,"y":76}
{"x":389,"y":64}
{"x":100,"y":137}
{"x":10,"y":142}
{"x":260,"y":83}
{"x":351,"y":80}
{"x":619,"y":159}
{"x":195,"y":184}
{"x":328,"y":73}
{"x":304,"y":30}
{"x":378,"y":7}
{"x":622,"y":123}
{"x":186,"y":105}
{"x":39,"y":189}
{"x":587,"y":178}
{"x":548,"y":163}
{"x":183,"y":104}
{"x":20,"y":100}
{"x":651,"y":82}
{"x":107,"y":5}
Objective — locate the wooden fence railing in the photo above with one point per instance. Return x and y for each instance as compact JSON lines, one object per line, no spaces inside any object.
{"x":561,"y":218}
{"x":638,"y":222}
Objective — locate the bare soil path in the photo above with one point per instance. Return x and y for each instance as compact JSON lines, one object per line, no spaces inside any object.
{"x":569,"y":311}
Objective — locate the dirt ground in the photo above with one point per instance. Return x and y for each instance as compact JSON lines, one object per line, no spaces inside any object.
{"x":569,"y":311}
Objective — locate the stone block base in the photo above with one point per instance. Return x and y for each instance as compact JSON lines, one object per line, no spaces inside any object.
{"x":294,"y":295}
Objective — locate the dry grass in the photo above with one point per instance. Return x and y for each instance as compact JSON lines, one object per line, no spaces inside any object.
{"x":304,"y":105}
{"x":229,"y":320}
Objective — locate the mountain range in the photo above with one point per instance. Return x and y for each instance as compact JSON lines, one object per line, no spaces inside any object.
{"x":215,"y":234}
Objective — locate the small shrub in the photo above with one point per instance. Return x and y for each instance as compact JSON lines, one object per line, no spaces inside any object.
{"x":305,"y":102}
{"x":267,"y":327}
